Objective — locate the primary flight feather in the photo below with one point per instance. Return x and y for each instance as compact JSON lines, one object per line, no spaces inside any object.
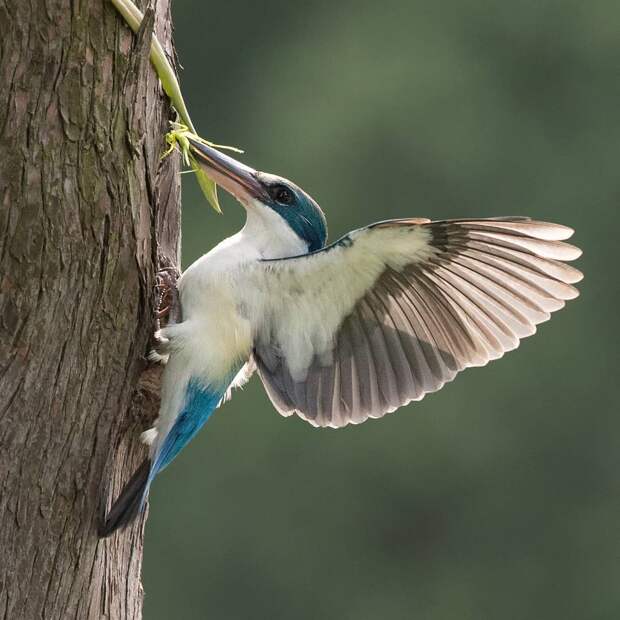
{"x":349,"y":331}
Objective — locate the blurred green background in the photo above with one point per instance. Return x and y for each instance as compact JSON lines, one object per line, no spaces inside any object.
{"x":499,"y":496}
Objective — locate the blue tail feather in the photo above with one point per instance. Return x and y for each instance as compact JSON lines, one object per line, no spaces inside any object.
{"x":129,"y":503}
{"x":200,"y":403}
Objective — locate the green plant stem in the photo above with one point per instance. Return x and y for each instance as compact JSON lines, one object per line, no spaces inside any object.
{"x":133,"y":16}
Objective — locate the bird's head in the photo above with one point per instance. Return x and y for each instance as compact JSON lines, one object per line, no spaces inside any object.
{"x":277,"y":202}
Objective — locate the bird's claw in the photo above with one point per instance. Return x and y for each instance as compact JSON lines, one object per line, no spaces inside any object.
{"x":168,"y":310}
{"x":163,"y":312}
{"x":168,"y":305}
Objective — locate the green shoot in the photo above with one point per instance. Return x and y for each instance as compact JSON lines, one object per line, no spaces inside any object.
{"x":177,"y":138}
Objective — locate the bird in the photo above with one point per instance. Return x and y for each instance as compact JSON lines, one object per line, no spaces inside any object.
{"x":339,"y":333}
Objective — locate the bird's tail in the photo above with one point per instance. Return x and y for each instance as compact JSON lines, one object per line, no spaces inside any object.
{"x":129,"y":503}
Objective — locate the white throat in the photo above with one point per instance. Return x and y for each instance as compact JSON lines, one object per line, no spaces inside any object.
{"x":265,"y":235}
{"x":270,"y":234}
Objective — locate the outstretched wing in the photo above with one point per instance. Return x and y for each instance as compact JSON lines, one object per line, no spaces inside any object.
{"x":393,"y":311}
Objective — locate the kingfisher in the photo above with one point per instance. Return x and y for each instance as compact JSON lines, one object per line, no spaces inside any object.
{"x":344,"y":332}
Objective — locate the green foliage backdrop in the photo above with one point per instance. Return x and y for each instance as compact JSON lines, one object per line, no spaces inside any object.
{"x":497,"y":497}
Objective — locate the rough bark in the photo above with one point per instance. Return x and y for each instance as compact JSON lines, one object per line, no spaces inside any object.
{"x":86,"y":206}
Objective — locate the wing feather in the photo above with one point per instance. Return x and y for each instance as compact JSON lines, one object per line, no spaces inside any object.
{"x":417,"y":302}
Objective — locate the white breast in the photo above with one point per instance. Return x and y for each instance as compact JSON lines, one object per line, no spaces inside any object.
{"x":214,"y":336}
{"x":220,"y":314}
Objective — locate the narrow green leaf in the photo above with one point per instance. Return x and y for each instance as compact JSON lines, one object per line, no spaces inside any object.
{"x":207,"y":185}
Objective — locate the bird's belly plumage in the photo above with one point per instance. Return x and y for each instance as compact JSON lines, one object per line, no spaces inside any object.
{"x":217,"y":335}
{"x":209,"y":346}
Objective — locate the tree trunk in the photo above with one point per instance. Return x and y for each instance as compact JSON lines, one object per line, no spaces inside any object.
{"x":86,"y":209}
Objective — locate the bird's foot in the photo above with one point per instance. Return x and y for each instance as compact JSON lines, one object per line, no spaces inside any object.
{"x":168,"y":303}
{"x":168,"y":311}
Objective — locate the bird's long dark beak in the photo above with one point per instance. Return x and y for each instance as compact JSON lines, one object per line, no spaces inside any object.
{"x":236,"y":178}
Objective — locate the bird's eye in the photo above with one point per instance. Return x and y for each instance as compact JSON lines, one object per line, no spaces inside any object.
{"x":282,"y":194}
